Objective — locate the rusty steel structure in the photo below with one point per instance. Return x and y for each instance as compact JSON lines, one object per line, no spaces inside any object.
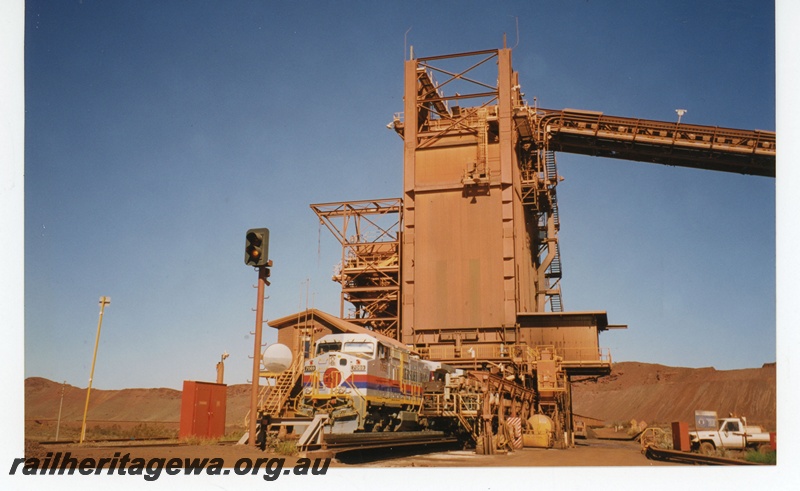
{"x":369,"y":272}
{"x":465,"y":267}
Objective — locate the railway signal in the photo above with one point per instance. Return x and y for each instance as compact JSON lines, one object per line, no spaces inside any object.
{"x":256,"y":254}
{"x":257,"y":247}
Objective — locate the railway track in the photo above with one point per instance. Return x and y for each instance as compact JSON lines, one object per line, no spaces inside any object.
{"x":138,"y":441}
{"x":380,"y":445}
{"x":129,"y":442}
{"x":691,"y":458}
{"x":348,"y":448}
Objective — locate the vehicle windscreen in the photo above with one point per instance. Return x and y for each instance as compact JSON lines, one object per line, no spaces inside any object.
{"x":365,"y":348}
{"x":327,"y":346}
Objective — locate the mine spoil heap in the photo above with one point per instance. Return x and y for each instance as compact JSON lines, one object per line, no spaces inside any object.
{"x":659,"y":394}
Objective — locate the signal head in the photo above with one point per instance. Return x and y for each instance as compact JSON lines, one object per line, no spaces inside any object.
{"x":256,"y":250}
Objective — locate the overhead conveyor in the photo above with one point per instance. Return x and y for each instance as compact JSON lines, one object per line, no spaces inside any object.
{"x":749,"y":152}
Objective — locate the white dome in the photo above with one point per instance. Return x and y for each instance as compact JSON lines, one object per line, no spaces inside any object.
{"x":277,"y":358}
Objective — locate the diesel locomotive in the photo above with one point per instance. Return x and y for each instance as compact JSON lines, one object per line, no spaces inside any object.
{"x":365,"y":383}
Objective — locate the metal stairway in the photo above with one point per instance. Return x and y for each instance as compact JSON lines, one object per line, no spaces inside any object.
{"x":274,"y":399}
{"x":554,"y":271}
{"x":552,"y":181}
{"x":555,"y":303}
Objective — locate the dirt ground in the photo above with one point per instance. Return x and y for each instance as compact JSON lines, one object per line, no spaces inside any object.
{"x":594,"y":453}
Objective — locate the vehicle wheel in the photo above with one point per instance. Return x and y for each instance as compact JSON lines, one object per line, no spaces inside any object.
{"x":707,"y":448}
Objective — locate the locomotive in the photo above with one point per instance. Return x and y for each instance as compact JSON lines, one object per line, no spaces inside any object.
{"x":365,"y":383}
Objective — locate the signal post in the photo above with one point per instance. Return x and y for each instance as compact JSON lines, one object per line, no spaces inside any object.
{"x":256,"y":254}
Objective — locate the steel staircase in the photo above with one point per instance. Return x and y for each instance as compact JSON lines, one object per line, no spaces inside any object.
{"x":552,"y":180}
{"x":555,"y":303}
{"x":554,"y":271}
{"x":273,"y":401}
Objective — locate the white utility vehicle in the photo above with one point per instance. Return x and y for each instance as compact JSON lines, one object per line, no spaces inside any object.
{"x":731,"y":433}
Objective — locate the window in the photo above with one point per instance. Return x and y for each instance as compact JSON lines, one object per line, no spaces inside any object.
{"x":327,"y":346}
{"x":360,"y":347}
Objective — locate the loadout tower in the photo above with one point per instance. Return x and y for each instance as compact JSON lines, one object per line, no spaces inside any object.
{"x":467,"y":271}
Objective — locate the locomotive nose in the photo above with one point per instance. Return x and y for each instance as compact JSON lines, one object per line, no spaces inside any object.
{"x":332,"y":377}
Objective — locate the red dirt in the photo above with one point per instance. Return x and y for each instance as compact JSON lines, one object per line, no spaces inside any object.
{"x":640,"y":391}
{"x":661,"y":394}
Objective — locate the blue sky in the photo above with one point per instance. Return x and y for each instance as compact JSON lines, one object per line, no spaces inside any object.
{"x":157,"y":133}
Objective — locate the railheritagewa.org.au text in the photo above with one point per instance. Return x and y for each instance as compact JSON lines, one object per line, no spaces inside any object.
{"x":151,"y":469}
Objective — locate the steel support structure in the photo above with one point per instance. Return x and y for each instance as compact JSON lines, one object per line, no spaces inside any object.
{"x":369,"y":271}
{"x":469,"y":273}
{"x":485,"y":157}
{"x":480,"y":237}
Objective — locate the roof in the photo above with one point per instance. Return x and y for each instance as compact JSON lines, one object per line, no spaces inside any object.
{"x":333,"y":323}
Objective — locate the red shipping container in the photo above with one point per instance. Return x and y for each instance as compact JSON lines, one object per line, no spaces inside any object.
{"x":203,"y":407}
{"x":680,"y":436}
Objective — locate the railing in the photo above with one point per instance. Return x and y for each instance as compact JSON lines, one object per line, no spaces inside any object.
{"x":272,"y":402}
{"x":515,"y":352}
{"x":582,"y":355}
{"x":465,"y":404}
{"x":707,"y":137}
{"x":261,"y":394}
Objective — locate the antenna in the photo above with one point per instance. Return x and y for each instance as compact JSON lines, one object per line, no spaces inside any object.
{"x":516,"y":22}
{"x":405,"y":44}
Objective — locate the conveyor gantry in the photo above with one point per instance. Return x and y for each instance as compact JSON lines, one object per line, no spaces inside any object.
{"x":701,"y":147}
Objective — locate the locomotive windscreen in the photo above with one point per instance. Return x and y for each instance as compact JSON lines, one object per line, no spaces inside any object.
{"x":360,"y":348}
{"x":327,"y":346}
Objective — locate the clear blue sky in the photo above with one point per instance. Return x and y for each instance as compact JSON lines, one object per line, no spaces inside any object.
{"x":158,"y":132}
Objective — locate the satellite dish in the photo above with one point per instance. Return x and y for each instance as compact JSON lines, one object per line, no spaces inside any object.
{"x":277,"y":358}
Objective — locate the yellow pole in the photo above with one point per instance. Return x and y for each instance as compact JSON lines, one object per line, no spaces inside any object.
{"x":103,"y":302}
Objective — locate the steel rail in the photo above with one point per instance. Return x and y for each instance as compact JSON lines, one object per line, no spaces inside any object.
{"x":337,"y":444}
{"x":106,"y":440}
{"x":653,"y":453}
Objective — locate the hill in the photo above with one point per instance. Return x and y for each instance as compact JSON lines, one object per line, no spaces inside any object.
{"x":42,"y":399}
{"x":641,"y":391}
{"x":661,"y":394}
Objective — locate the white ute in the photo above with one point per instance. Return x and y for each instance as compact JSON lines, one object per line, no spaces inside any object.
{"x":730,"y":433}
